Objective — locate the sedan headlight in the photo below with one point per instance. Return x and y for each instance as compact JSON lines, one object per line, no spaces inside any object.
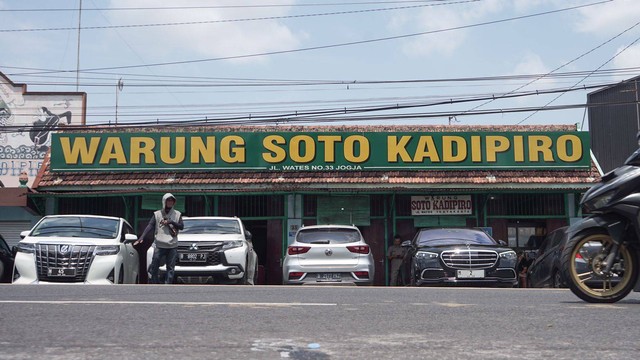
{"x":107,"y":249}
{"x":427,"y":259}
{"x":599,"y":201}
{"x":26,"y":248}
{"x":232,"y":244}
{"x":508,"y":258}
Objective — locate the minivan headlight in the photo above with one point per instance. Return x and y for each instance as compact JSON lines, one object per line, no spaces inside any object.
{"x":26,"y":248}
{"x":232,"y":244}
{"x":107,"y":249}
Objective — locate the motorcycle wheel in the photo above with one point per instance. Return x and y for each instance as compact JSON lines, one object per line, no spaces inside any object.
{"x":582,"y":261}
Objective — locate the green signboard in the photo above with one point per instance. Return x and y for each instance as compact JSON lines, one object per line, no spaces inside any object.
{"x":317,"y":151}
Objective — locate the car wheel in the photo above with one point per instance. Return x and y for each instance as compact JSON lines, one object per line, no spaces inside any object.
{"x":1,"y":270}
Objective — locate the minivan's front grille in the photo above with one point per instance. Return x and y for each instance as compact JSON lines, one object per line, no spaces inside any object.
{"x":62,"y":258}
{"x":469,"y":259}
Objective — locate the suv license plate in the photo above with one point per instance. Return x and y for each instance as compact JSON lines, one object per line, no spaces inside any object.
{"x":62,"y":272}
{"x":329,"y":277}
{"x":470,"y":274}
{"x":193,"y":257}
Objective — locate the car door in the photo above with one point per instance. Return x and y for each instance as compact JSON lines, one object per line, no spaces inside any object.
{"x":129,"y":255}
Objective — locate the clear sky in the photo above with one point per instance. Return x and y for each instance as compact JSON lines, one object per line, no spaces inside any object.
{"x":494,"y":62}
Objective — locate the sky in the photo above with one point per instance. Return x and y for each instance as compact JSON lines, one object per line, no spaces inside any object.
{"x":309,"y":62}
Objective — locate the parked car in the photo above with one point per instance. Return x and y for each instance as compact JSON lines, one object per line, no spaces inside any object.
{"x":544,"y":270}
{"x":328,"y":254}
{"x":213,"y":250}
{"x":85,"y":249}
{"x":6,"y":261}
{"x":458,"y":256}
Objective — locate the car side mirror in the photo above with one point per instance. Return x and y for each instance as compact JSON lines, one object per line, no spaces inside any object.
{"x":406,"y":243}
{"x":24,"y":234}
{"x":248,"y":236}
{"x":502,"y":242}
{"x":129,"y":238}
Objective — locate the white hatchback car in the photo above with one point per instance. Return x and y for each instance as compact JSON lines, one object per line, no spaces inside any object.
{"x":213,"y":250}
{"x":81,"y":249}
{"x":328,"y":254}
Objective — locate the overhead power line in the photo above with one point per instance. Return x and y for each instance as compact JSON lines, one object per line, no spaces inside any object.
{"x":233,"y":20}
{"x":352,"y":43}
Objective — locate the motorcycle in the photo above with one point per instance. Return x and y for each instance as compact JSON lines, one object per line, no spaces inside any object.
{"x":599,"y":262}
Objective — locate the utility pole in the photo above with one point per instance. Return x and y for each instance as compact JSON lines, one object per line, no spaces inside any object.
{"x":119,"y":87}
{"x":78,"y":55}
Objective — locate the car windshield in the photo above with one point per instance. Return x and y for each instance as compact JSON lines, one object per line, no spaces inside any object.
{"x":442,"y":237}
{"x":77,"y":226}
{"x":211,"y":226}
{"x":328,"y":236}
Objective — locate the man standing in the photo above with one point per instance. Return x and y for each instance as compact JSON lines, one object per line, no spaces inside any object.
{"x":395,"y":254}
{"x":166,"y":222}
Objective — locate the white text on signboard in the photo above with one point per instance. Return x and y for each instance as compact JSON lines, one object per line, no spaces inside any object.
{"x":441,"y":205}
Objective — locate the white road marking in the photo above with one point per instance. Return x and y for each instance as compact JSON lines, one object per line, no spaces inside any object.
{"x":108,"y":302}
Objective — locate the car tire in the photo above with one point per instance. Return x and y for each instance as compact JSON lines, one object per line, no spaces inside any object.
{"x":1,"y":270}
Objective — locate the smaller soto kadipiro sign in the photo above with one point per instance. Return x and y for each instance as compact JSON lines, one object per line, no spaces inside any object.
{"x":317,"y":151}
{"x":441,"y":205}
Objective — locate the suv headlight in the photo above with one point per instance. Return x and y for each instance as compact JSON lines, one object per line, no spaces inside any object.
{"x":232,"y":244}
{"x":107,"y":249}
{"x":26,"y":248}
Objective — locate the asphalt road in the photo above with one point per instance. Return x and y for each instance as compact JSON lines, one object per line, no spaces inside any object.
{"x":276,"y":322}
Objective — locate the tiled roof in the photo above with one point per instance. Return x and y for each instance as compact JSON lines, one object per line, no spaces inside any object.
{"x":244,"y":181}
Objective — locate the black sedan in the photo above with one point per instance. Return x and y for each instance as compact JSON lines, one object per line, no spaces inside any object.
{"x":6,"y":261}
{"x":458,"y":256}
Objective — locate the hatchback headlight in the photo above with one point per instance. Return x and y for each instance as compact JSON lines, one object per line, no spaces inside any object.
{"x":26,"y":248}
{"x":232,"y":244}
{"x":107,"y":249}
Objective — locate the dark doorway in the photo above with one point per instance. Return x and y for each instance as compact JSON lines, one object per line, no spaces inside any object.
{"x":267,"y":242}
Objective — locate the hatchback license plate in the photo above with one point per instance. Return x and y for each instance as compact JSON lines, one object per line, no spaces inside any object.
{"x":61,"y":272}
{"x":329,"y":277}
{"x":193,"y":257}
{"x":470,"y":274}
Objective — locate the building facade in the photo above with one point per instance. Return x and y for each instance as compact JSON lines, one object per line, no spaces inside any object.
{"x":386,"y":180}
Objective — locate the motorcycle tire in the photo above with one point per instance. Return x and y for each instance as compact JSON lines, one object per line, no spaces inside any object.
{"x":581,"y":261}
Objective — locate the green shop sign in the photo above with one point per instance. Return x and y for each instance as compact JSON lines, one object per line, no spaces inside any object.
{"x":318,"y":151}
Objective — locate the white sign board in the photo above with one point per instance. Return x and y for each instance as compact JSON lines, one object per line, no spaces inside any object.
{"x":441,"y":205}
{"x":29,"y":119}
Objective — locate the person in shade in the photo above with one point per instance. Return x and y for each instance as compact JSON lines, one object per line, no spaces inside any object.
{"x":165,"y":223}
{"x":395,"y":254}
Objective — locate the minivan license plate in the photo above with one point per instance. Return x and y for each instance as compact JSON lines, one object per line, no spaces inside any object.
{"x":328,"y":277}
{"x":62,"y":272}
{"x":470,"y":274}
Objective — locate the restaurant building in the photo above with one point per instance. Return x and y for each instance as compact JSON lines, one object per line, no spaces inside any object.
{"x":386,"y":180}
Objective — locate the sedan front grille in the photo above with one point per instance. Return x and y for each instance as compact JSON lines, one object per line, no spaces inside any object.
{"x":469,"y":259}
{"x":78,"y":257}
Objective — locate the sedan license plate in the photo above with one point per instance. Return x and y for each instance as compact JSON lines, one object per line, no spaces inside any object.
{"x":193,"y":257}
{"x":61,"y":272}
{"x":470,"y":274}
{"x":328,"y":277}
